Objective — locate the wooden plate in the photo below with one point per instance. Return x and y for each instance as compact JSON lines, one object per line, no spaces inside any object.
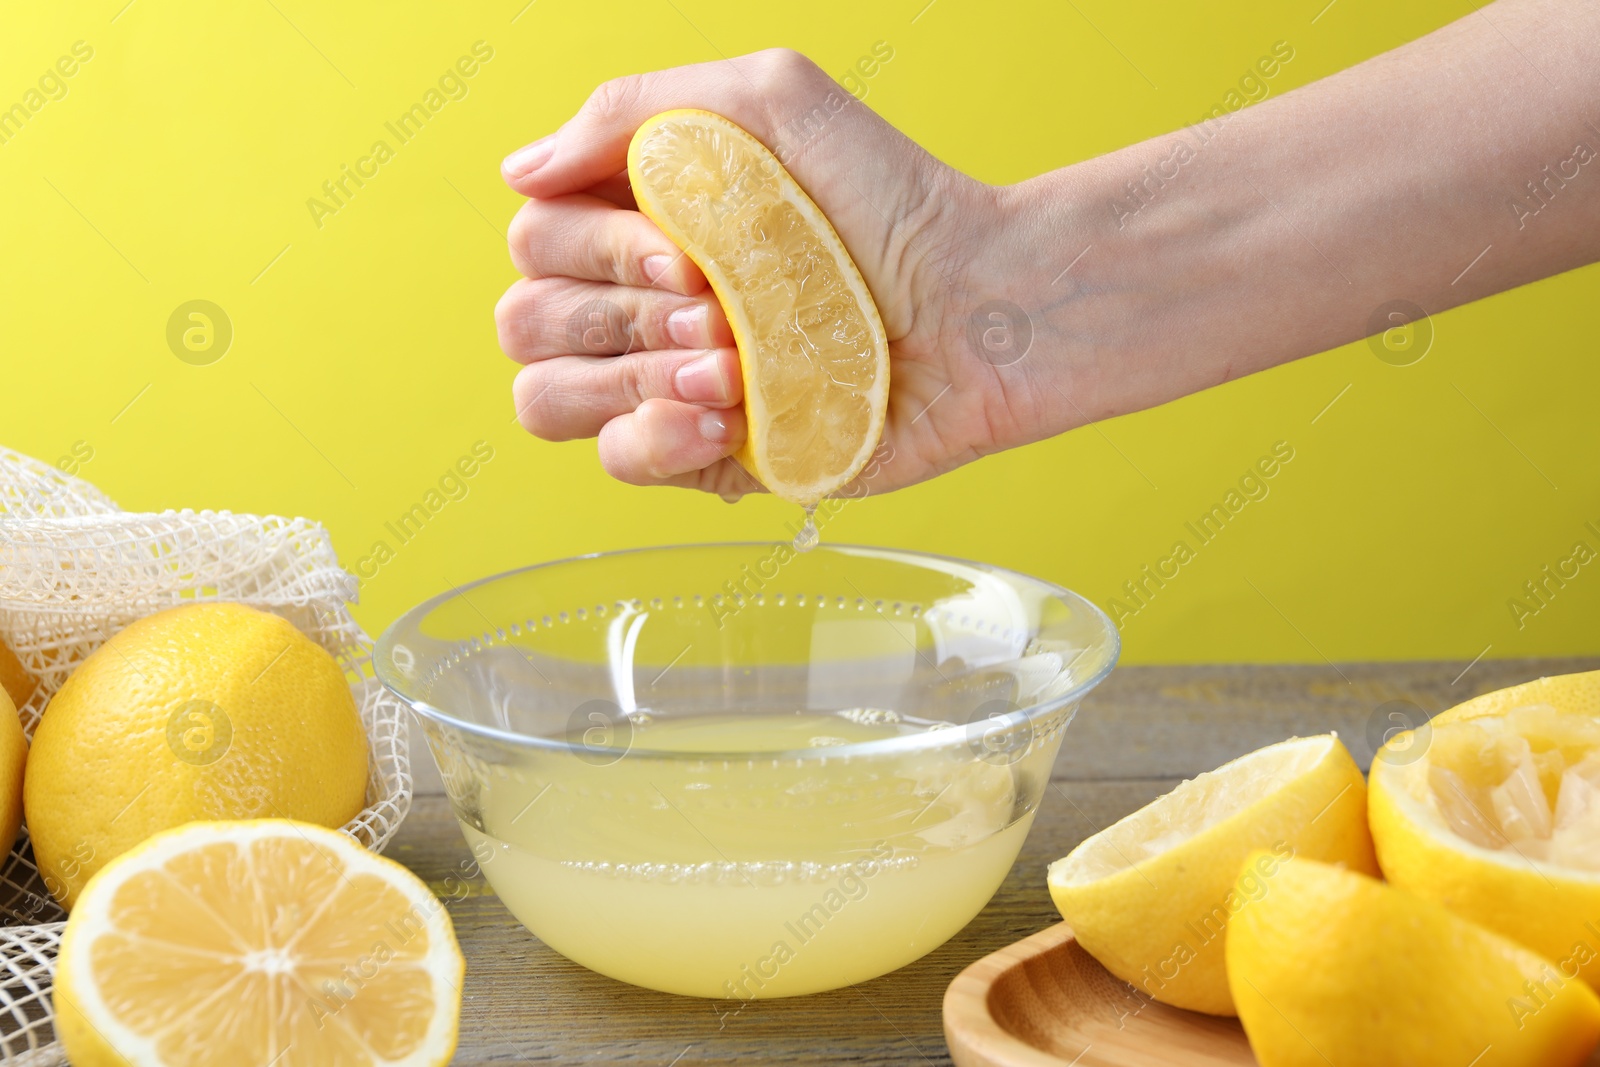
{"x":1045,"y":1002}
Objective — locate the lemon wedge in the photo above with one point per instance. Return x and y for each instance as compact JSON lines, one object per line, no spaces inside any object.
{"x":1151,"y":896}
{"x":265,"y":941}
{"x":1333,"y":969}
{"x":1498,"y":819}
{"x":814,"y":354}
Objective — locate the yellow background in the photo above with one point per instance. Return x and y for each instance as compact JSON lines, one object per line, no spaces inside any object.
{"x":364,"y":360}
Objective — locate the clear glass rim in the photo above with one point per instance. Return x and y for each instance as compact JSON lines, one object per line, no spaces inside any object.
{"x":382,"y":663}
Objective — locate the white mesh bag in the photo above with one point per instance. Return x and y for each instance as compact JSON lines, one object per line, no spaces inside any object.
{"x":74,"y":569}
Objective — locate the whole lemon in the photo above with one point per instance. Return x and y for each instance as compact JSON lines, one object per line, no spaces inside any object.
{"x":13,"y":758}
{"x":208,"y":711}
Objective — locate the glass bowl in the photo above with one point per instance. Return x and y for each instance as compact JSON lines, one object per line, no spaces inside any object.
{"x":738,"y":771}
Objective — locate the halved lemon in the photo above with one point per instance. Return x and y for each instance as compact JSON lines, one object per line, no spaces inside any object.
{"x":266,"y":941}
{"x":1151,"y":896}
{"x":1333,"y":969}
{"x":1498,"y":819}
{"x":814,"y":353}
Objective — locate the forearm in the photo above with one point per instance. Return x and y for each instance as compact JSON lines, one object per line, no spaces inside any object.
{"x":1456,"y":166}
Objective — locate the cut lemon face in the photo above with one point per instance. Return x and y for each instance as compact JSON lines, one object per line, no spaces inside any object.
{"x":1331,"y":968}
{"x":814,"y":353}
{"x":1151,"y":896}
{"x":1498,"y":819}
{"x":266,"y":941}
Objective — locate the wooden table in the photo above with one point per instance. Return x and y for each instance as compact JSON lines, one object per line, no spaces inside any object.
{"x":1135,"y":738}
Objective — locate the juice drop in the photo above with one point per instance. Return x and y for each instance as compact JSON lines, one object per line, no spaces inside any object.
{"x":807,"y":538}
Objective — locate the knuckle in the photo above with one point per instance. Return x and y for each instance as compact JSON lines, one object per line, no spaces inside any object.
{"x":655,"y":437}
{"x":539,"y":405}
{"x":618,"y":259}
{"x":783,"y":68}
{"x":525,"y":394}
{"x":508,"y":321}
{"x":598,"y":326}
{"x":519,"y":237}
{"x":613,"y":97}
{"x":650,"y":314}
{"x":613,"y":455}
{"x":518,"y":315}
{"x":627,"y":385}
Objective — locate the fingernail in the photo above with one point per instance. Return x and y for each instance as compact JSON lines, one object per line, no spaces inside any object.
{"x":700,"y":380}
{"x":714,"y":428}
{"x":687,"y":325}
{"x":655,"y":267}
{"x":525,"y":161}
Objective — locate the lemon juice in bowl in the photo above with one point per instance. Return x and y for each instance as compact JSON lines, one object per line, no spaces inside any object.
{"x":770,"y":878}
{"x":747,"y":794}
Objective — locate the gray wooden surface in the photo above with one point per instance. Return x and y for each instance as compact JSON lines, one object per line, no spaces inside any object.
{"x":1144,"y":730}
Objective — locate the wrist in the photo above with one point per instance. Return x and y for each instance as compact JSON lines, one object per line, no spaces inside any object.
{"x":1140,"y":273}
{"x":1064,"y":268}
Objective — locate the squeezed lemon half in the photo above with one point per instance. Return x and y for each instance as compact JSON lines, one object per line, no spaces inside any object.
{"x":1151,"y":897}
{"x":265,"y":941}
{"x":814,"y":354}
{"x":1498,"y":818}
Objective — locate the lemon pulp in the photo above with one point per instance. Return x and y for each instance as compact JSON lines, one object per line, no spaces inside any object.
{"x":813,"y":348}
{"x":1527,"y":781}
{"x":256,"y":942}
{"x":1497,"y":817}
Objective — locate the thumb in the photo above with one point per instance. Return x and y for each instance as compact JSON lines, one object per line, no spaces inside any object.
{"x":593,"y":145}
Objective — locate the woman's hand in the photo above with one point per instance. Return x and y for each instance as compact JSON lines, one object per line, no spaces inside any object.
{"x":620,"y":336}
